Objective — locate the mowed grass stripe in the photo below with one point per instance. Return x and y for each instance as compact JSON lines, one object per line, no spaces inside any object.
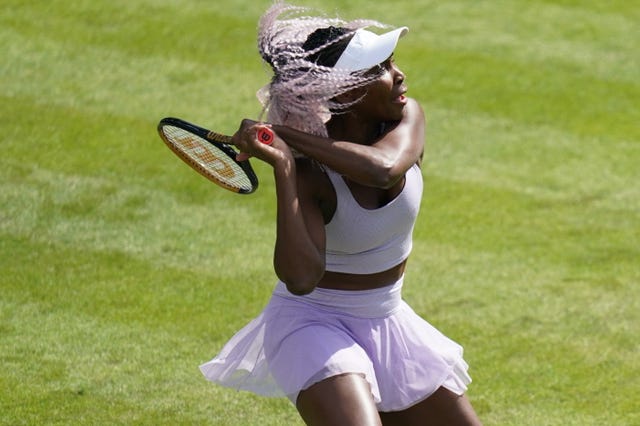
{"x":84,"y":368}
{"x":549,"y":95}
{"x":538,"y":160}
{"x":111,"y":82}
{"x":78,"y":59}
{"x":592,"y":38}
{"x":113,"y":287}
{"x":106,"y":216}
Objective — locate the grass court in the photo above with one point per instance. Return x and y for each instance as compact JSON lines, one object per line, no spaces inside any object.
{"x":121,"y":269}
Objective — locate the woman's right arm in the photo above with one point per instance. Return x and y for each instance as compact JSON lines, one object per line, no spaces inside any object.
{"x":299,"y":257}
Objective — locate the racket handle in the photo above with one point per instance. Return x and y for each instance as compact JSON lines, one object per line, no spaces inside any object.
{"x":265,"y":135}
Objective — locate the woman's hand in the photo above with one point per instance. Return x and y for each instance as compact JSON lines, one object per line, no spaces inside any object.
{"x":246,"y":140}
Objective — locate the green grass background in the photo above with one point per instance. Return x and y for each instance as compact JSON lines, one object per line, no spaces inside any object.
{"x":121,"y":270}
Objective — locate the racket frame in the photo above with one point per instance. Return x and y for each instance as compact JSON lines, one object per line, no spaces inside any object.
{"x":220,"y":141}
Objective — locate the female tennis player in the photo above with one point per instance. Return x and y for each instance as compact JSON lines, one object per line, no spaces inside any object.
{"x":336,"y":336}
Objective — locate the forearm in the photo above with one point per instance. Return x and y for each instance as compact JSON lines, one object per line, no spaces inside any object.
{"x":362,"y":163}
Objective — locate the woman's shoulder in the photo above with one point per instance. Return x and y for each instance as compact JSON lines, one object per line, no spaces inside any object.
{"x":414,"y":110}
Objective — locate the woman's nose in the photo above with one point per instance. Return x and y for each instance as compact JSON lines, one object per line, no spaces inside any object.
{"x":398,"y":75}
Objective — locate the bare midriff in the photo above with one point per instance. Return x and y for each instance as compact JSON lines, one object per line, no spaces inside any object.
{"x":344,"y":281}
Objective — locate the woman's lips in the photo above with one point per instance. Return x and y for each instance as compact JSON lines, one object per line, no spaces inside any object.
{"x":402,"y":99}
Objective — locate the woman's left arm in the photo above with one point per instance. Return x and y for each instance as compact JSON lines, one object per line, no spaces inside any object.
{"x":380,"y":164}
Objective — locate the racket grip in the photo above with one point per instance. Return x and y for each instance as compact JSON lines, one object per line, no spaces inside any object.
{"x":265,"y":135}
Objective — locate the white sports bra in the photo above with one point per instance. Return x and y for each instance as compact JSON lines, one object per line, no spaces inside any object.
{"x":366,"y":241}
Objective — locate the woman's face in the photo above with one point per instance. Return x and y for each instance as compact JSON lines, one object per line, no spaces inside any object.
{"x":384,"y":98}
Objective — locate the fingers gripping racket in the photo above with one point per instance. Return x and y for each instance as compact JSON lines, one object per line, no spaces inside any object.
{"x":210,"y":154}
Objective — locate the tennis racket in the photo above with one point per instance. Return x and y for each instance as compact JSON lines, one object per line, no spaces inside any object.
{"x":211,"y":154}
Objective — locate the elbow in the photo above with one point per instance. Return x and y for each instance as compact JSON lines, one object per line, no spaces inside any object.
{"x":299,"y":286}
{"x":299,"y":290}
{"x":300,"y":280}
{"x":386,"y":175}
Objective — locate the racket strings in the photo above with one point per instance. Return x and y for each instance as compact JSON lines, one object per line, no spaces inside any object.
{"x":213,"y":162}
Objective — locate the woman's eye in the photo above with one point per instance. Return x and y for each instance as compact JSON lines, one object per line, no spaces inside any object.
{"x":376,"y":70}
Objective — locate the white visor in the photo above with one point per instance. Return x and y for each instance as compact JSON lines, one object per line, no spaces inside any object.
{"x":367,"y":49}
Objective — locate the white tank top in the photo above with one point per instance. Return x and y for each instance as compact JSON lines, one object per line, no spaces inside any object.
{"x":366,"y":241}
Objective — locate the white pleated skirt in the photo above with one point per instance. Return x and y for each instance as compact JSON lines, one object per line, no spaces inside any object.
{"x":300,"y":340}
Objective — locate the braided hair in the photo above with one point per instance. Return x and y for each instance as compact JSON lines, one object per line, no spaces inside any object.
{"x":301,"y":51}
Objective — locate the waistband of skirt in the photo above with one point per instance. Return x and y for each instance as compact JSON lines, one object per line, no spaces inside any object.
{"x":374,"y":303}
